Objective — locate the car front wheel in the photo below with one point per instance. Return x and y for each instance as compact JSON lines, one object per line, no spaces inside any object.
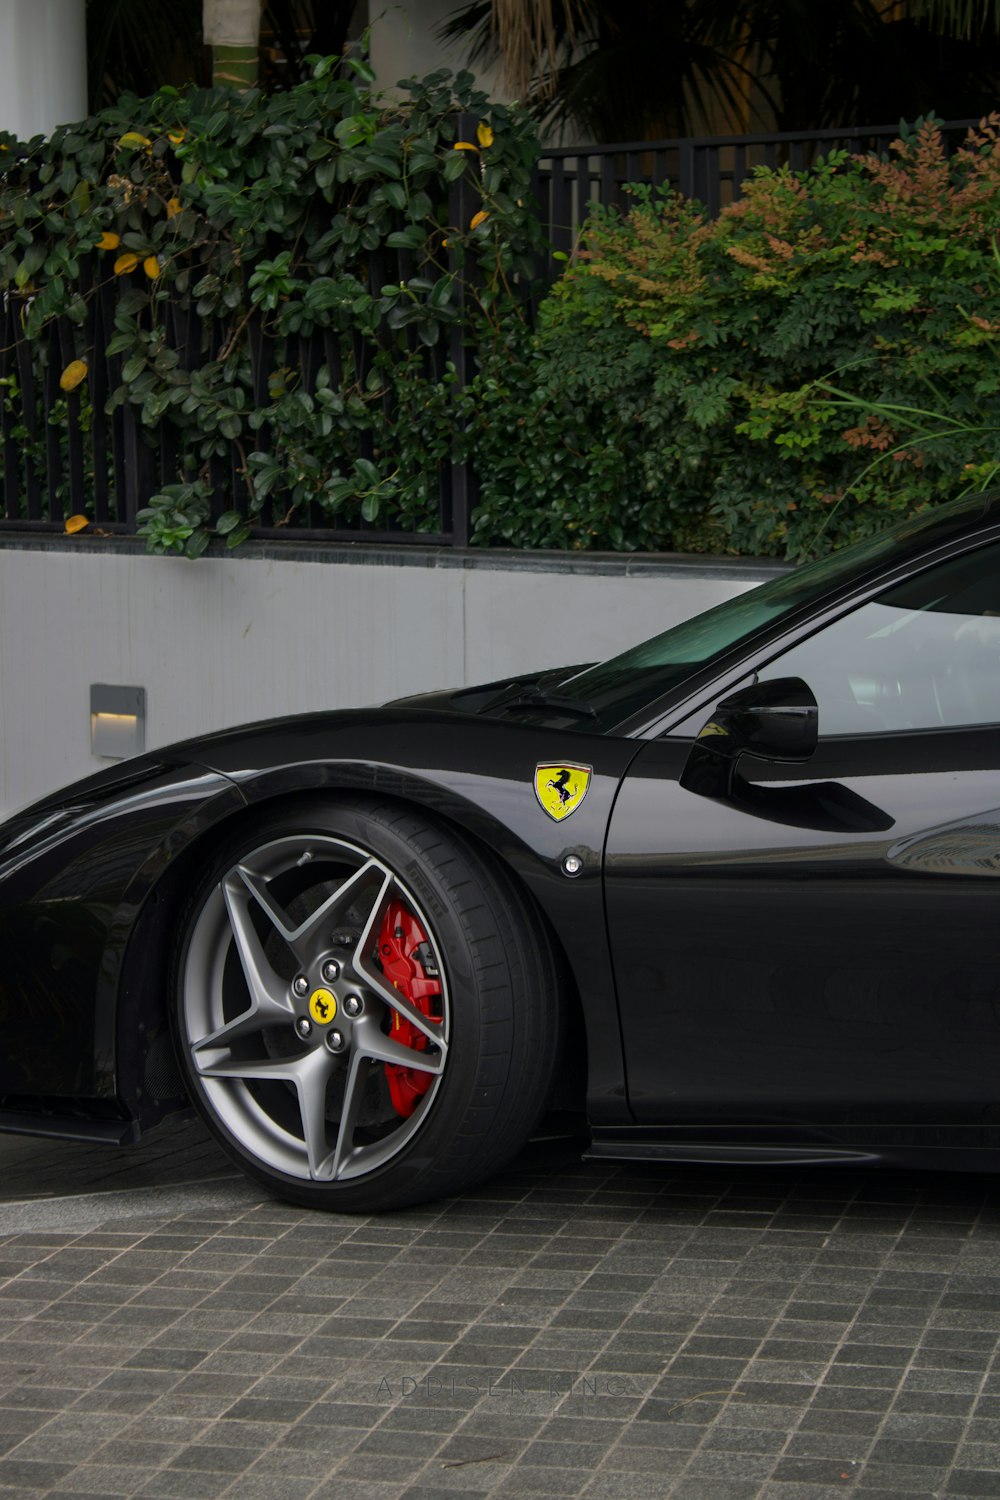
{"x":367,"y":1009}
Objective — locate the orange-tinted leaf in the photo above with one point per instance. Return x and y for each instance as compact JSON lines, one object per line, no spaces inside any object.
{"x":465,"y":146}
{"x":479,"y":218}
{"x":126,"y":263}
{"x":75,"y":523}
{"x":132,"y":138}
{"x":484,"y":135}
{"x":74,"y":373}
{"x":109,"y":241}
{"x":151,"y":266}
{"x":174,"y":206}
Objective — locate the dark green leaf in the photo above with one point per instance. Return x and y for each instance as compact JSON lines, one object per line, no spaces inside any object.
{"x":411,"y":238}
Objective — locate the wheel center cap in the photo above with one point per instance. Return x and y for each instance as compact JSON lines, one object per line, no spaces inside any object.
{"x":322,"y":1006}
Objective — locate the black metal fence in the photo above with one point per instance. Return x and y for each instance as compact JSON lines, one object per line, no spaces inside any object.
{"x":63,"y":456}
{"x":711,"y":169}
{"x":56,"y":459}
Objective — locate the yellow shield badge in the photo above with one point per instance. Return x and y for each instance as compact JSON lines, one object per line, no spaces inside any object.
{"x":560,"y":789}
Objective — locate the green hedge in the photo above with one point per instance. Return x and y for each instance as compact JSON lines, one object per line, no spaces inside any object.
{"x":820,"y":359}
{"x":324,"y":213}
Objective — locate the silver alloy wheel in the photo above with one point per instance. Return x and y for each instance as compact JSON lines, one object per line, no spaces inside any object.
{"x":308,"y":1100}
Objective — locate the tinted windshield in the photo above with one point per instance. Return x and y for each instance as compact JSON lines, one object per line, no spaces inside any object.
{"x":623,"y":685}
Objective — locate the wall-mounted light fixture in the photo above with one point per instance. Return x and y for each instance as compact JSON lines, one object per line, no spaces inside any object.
{"x":117,"y":721}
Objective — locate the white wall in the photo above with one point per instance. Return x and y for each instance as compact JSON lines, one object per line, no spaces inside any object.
{"x":225,"y":640}
{"x":405,"y":44}
{"x":43,"y":65}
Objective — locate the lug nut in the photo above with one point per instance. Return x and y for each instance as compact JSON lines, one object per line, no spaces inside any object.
{"x":304,"y":1027}
{"x":353,"y":1005}
{"x":300,"y":985}
{"x":335,"y":1041}
{"x":331,"y":970}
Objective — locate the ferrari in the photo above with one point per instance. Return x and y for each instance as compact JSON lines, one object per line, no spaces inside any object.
{"x":730,"y":896}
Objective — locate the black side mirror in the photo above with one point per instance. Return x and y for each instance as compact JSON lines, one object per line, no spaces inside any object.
{"x":775,"y":721}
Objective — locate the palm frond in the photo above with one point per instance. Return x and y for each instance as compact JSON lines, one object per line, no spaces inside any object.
{"x":965,"y":19}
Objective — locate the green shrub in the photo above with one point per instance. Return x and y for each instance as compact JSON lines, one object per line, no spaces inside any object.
{"x":821,"y":358}
{"x":779,"y":381}
{"x":211,"y":242}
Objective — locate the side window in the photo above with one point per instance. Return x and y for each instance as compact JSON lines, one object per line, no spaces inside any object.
{"x":923,"y":655}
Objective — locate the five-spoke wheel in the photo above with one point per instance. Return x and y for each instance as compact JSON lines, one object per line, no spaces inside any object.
{"x":362,"y":1002}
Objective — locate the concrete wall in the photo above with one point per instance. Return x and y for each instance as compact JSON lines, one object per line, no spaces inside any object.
{"x":286,"y":630}
{"x":405,"y":44}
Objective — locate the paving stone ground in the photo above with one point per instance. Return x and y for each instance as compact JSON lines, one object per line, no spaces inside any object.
{"x":570,"y":1329}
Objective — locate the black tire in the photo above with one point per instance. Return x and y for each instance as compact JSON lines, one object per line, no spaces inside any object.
{"x":286,"y":1024}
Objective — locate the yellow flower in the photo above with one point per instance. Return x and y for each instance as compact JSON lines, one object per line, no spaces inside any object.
{"x":133,"y":139}
{"x":151,"y":266}
{"x":108,"y":241}
{"x":484,"y":135}
{"x":75,"y":523}
{"x":174,"y":206}
{"x":74,"y":372}
{"x":479,"y":218}
{"x":465,"y":146}
{"x":126,"y":263}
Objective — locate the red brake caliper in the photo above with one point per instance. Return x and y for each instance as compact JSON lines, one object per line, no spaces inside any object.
{"x":407,"y":962}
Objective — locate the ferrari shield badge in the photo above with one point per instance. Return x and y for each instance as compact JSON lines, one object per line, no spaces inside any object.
{"x":561,"y":789}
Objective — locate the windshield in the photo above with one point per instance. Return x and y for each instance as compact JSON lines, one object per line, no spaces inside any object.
{"x":623,"y":685}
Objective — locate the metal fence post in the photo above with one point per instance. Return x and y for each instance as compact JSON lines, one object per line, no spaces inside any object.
{"x":686,"y":168}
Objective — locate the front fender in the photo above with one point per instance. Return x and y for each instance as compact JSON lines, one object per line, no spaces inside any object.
{"x":479,"y":775}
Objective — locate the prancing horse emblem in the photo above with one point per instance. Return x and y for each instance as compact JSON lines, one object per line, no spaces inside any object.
{"x":561,"y":788}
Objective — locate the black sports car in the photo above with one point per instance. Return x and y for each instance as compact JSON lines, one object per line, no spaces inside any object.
{"x":732,"y":895}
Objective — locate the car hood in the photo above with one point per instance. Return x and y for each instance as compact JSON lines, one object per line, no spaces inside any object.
{"x":486,"y":698}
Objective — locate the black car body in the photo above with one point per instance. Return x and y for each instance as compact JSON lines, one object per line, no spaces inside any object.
{"x":668,"y":892}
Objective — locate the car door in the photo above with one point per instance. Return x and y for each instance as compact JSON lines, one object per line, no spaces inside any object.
{"x":822,"y":946}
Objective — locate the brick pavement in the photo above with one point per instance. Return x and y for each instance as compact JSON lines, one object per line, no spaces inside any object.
{"x":608,"y":1332}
